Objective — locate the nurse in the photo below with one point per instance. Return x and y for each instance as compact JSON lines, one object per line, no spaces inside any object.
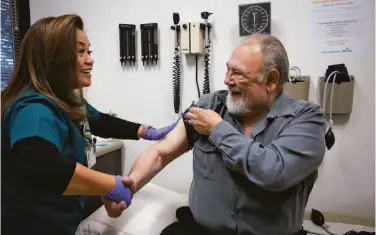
{"x":47,"y":149}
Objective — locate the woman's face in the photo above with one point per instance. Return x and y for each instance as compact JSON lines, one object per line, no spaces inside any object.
{"x":84,"y":59}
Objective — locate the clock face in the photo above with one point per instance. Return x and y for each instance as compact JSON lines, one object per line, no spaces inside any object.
{"x":254,"y":18}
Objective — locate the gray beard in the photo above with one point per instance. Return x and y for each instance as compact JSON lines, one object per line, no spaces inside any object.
{"x":239,"y":108}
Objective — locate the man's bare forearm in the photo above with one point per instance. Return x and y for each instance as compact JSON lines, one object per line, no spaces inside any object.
{"x":157,"y":156}
{"x":150,"y":163}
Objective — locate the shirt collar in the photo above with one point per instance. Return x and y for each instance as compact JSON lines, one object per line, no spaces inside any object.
{"x":281,"y":107}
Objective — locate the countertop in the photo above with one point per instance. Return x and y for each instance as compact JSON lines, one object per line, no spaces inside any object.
{"x":104,"y":147}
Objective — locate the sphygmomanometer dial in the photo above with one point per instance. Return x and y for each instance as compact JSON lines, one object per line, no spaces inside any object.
{"x":254,"y":18}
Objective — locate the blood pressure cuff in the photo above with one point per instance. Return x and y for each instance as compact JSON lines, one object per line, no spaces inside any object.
{"x":191,"y":133}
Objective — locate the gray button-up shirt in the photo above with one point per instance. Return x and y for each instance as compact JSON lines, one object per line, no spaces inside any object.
{"x":257,"y":185}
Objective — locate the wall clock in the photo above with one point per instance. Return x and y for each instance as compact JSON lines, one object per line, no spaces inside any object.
{"x":254,"y":18}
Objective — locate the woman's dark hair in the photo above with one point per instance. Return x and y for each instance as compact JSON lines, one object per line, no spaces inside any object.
{"x":47,"y":62}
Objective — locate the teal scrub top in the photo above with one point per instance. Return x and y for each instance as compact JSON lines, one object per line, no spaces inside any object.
{"x":33,"y":114}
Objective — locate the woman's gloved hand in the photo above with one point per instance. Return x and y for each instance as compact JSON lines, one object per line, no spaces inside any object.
{"x":120,"y":192}
{"x":151,"y":133}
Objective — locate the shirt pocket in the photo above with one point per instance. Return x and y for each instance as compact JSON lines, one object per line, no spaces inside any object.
{"x":207,"y":161}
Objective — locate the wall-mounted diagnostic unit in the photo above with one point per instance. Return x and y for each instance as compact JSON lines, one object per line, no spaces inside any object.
{"x":192,"y":38}
{"x":205,"y":15}
{"x":177,"y":62}
{"x":127,"y":42}
{"x":254,"y":18}
{"x":149,"y":43}
{"x":195,"y":36}
{"x":297,"y":86}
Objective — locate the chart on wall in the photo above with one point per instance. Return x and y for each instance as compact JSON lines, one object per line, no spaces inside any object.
{"x":339,"y":27}
{"x":254,"y":18}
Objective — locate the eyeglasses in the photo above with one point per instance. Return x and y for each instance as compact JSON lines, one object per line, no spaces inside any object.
{"x":237,"y":74}
{"x":240,"y":75}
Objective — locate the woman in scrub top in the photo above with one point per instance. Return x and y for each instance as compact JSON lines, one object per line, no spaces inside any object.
{"x":47,"y":149}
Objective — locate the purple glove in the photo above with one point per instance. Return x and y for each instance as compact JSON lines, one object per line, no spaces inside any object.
{"x":150,"y":133}
{"x":120,"y":192}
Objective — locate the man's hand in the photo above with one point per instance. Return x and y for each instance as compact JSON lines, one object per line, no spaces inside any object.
{"x":130,"y":183}
{"x":203,"y":120}
{"x":121,"y":192}
{"x":113,"y":209}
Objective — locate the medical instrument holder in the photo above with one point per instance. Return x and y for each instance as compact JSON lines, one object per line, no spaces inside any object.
{"x":149,"y":43}
{"x":127,"y":42}
{"x":298,"y":88}
{"x":343,"y":94}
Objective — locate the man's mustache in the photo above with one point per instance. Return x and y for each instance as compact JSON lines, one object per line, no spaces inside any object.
{"x":234,"y":89}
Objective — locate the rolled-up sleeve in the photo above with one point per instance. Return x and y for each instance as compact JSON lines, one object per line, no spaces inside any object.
{"x":293,"y":155}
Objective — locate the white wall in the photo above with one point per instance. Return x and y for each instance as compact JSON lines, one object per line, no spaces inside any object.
{"x":346,"y":184}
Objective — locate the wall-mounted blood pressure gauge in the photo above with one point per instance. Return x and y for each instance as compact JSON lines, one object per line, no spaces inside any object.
{"x":254,"y":18}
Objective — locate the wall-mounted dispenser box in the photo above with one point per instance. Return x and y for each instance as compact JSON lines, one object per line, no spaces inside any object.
{"x":192,"y":38}
{"x":298,"y":88}
{"x":343,"y":95}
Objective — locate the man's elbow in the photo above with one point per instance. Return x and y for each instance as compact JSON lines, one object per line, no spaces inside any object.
{"x":277,"y":182}
{"x":166,"y":153}
{"x":279,"y":185}
{"x":163,"y":158}
{"x":286,"y":178}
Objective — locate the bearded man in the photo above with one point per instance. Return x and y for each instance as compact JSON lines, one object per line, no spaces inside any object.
{"x":256,"y":151}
